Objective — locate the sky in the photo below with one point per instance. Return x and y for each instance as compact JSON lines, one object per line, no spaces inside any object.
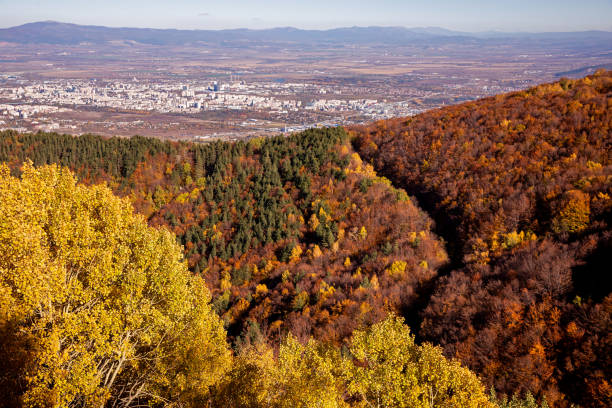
{"x":463,"y":15}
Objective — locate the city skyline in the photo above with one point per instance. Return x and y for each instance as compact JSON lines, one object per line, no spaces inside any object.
{"x":470,"y":15}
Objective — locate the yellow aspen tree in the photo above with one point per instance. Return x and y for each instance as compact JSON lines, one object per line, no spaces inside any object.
{"x":250,"y":382}
{"x":105,"y":303}
{"x":307,"y":376}
{"x":390,"y":370}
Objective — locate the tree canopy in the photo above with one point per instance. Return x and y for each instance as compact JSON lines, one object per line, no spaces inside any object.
{"x":97,"y":305}
{"x":519,"y":186}
{"x":302,"y":243}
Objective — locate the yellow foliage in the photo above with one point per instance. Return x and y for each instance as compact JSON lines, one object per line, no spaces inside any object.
{"x":574,"y":214}
{"x":256,"y":142}
{"x":313,"y":222}
{"x":296,"y":252}
{"x":269,"y":266}
{"x":182,"y":198}
{"x":591,"y":165}
{"x":341,"y":234}
{"x":382,"y":180}
{"x":397,"y":270}
{"x":364,"y":308}
{"x":316,"y":252}
{"x":300,"y":300}
{"x":390,"y":370}
{"x":226,"y":281}
{"x":537,"y":350}
{"x":240,"y":307}
{"x":572,"y":157}
{"x":480,"y":252}
{"x":201,"y":182}
{"x":412,"y":237}
{"x":369,"y":171}
{"x":323,"y":215}
{"x":357,"y":167}
{"x":256,"y":271}
{"x":385,"y":369}
{"x":374,"y":282}
{"x":105,"y":302}
{"x":363,"y":233}
{"x":356,"y":159}
{"x":514,"y":239}
{"x":325,"y":291}
{"x":249,"y":384}
{"x":261,"y":290}
{"x":307,"y":376}
{"x":291,"y":218}
{"x":95,"y":292}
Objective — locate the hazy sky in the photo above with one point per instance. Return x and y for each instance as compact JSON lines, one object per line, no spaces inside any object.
{"x":467,"y":15}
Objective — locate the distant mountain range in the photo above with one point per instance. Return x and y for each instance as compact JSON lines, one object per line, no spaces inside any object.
{"x":50,"y":32}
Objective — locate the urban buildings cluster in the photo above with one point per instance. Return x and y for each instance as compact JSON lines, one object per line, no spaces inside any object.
{"x":129,"y":106}
{"x":192,"y":97}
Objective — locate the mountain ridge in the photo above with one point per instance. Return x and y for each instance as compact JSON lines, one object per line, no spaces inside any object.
{"x":53,"y":32}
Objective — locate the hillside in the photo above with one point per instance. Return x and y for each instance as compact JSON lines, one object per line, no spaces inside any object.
{"x":485,"y":225}
{"x":51,"y":32}
{"x":519,"y":186}
{"x":291,"y":234}
{"x":98,"y":309}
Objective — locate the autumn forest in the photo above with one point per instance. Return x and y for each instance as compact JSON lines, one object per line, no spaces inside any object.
{"x":457,"y":258}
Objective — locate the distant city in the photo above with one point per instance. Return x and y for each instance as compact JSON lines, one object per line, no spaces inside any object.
{"x":34,"y":105}
{"x":236,"y":84}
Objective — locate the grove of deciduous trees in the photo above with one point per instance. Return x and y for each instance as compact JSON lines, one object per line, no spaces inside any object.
{"x":304,"y":249}
{"x":99,"y":309}
{"x":520,"y":187}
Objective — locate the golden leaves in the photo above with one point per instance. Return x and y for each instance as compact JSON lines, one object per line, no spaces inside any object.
{"x":93,"y":288}
{"x":390,"y":370}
